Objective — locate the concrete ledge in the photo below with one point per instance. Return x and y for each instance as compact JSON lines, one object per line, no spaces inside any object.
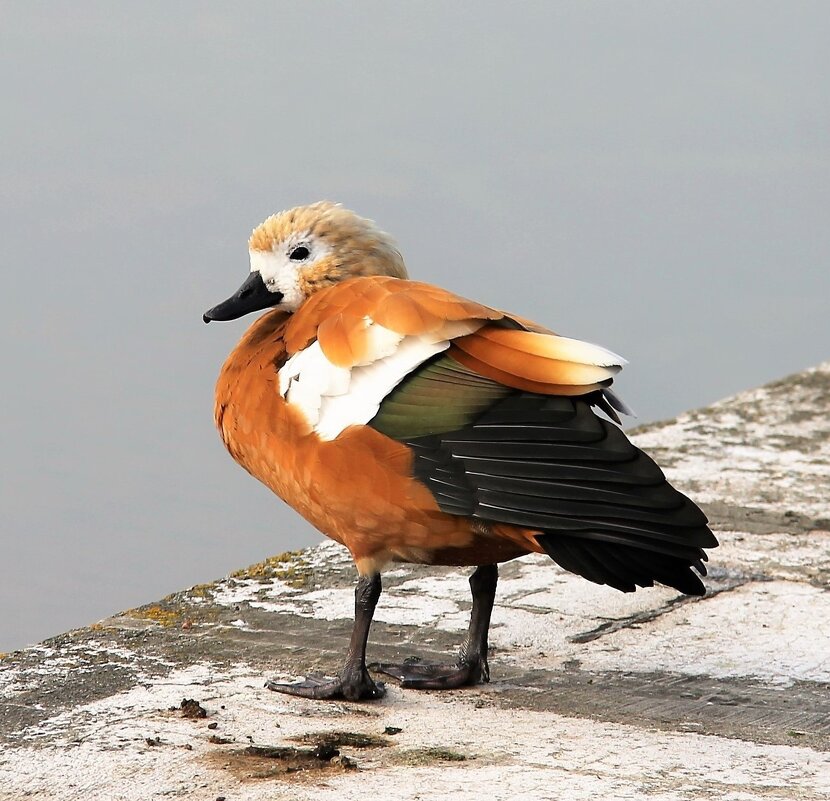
{"x":594,"y":693}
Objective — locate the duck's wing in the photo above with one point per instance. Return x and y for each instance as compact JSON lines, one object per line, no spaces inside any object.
{"x":553,"y":468}
{"x":350,"y":345}
{"x":500,"y":423}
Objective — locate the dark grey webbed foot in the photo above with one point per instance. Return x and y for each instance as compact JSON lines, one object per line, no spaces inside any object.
{"x":355,"y":688}
{"x":417,"y":675}
{"x":354,"y":682}
{"x":471,"y":667}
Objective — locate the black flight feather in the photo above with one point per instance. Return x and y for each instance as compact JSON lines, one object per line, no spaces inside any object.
{"x":602,"y":508}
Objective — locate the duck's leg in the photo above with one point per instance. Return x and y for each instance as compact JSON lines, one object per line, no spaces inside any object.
{"x":471,"y":667}
{"x":354,"y":682}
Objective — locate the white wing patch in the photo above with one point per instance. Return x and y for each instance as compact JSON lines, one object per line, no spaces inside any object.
{"x":308,"y":377}
{"x":383,"y":341}
{"x":333,"y":398}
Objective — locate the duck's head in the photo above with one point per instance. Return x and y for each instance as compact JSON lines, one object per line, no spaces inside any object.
{"x":300,"y":251}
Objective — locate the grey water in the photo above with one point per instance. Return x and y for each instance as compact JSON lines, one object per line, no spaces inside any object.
{"x":649,"y":176}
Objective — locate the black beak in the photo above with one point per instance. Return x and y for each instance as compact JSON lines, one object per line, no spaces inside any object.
{"x":252,"y":296}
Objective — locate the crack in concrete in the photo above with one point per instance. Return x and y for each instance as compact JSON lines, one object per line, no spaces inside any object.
{"x":638,"y":618}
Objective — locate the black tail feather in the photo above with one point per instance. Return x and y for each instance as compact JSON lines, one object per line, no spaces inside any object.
{"x":622,"y":566}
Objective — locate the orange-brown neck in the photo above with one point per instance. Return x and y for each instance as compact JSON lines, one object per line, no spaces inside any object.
{"x":248,"y":378}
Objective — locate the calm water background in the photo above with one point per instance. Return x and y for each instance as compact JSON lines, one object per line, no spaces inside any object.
{"x":650,"y":176}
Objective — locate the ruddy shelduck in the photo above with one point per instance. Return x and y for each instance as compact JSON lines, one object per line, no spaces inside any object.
{"x":413,"y":425}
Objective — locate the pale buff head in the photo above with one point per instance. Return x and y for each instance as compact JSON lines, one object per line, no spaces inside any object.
{"x":303,"y":250}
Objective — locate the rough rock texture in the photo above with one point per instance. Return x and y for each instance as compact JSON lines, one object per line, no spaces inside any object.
{"x":593,"y":693}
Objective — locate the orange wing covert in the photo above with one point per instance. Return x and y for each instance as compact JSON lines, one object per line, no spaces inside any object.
{"x":491,"y":342}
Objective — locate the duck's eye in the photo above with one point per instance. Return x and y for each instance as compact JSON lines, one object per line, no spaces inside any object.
{"x":300,"y":253}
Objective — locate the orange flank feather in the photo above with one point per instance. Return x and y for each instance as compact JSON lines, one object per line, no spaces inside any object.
{"x":533,"y":359}
{"x":410,"y":424}
{"x":510,"y":379}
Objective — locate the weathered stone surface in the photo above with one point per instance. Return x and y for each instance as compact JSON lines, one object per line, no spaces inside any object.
{"x":593,"y":692}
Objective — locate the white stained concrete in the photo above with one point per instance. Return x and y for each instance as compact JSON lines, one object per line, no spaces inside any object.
{"x":767,"y":448}
{"x":509,"y":754}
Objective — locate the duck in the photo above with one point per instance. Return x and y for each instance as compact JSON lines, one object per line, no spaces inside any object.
{"x":412,"y":425}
